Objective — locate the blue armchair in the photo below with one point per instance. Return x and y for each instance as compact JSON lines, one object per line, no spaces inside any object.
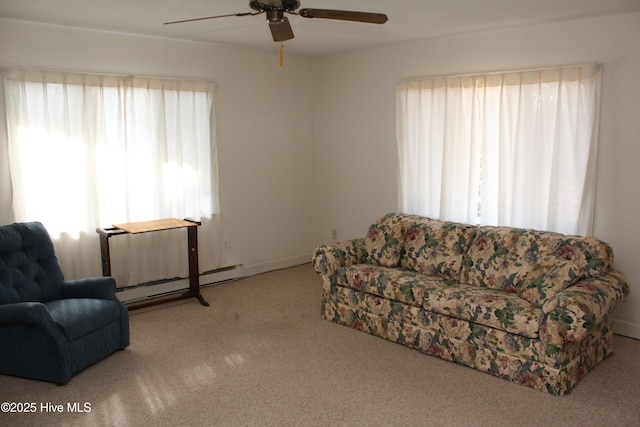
{"x":51,"y":329}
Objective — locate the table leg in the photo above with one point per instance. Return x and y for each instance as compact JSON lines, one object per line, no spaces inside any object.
{"x":105,"y":254}
{"x":194,"y":270}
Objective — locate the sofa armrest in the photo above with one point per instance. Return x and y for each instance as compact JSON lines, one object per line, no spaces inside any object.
{"x":92,"y":287}
{"x":327,"y":259}
{"x":29,"y":313}
{"x":573,"y":312}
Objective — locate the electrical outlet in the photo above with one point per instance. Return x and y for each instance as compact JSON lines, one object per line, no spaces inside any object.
{"x":227,"y":245}
{"x":334,"y":233}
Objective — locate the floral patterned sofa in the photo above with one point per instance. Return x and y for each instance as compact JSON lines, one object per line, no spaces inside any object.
{"x":528,"y":306}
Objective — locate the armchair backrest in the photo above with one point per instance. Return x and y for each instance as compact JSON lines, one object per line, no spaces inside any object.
{"x":29,"y":269}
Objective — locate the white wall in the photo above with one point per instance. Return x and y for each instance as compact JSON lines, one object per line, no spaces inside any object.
{"x":264,"y":118}
{"x":355,"y":139}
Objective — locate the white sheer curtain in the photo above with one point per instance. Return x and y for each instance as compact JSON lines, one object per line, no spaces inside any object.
{"x":517,"y":149}
{"x":88,"y":151}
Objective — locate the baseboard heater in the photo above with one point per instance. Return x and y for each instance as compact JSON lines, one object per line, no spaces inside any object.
{"x":160,"y":288}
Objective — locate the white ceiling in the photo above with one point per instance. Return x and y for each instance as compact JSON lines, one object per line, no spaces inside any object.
{"x":409,"y":20}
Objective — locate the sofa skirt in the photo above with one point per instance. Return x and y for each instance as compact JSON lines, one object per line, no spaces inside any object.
{"x":514,"y":358}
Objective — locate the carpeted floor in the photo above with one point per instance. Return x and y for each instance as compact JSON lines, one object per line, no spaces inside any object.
{"x":260,"y":355}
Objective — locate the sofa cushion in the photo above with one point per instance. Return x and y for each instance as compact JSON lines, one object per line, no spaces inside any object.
{"x":392,"y":283}
{"x":535,"y":265}
{"x":594,"y":256}
{"x":489,"y":307}
{"x":384,"y":243}
{"x":436,"y":248}
{"x":77,"y":317}
{"x":549,"y":276}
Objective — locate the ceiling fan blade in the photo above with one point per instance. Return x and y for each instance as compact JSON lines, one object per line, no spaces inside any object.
{"x":344,"y":15}
{"x":281,"y":30}
{"x":213,"y":17}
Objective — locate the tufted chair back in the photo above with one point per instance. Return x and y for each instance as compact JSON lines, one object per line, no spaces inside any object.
{"x":29,"y":269}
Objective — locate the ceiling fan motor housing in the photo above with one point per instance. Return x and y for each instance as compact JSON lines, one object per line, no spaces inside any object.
{"x":275,"y":16}
{"x":287,"y":5}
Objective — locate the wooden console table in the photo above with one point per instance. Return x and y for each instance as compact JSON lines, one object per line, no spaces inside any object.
{"x":150,"y":226}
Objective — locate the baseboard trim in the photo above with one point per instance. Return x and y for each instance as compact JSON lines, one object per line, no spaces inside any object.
{"x":222,"y":275}
{"x":171,"y":286}
{"x":627,"y":329}
{"x":252,"y":270}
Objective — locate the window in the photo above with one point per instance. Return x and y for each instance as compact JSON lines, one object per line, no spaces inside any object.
{"x":516,"y":149}
{"x":88,"y":151}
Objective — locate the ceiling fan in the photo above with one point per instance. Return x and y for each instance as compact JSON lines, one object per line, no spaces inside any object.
{"x":279,"y":24}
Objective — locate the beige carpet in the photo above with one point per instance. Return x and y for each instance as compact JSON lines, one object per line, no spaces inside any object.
{"x":262,"y":356}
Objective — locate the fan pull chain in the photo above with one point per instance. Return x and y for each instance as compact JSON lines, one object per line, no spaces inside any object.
{"x":281,"y":56}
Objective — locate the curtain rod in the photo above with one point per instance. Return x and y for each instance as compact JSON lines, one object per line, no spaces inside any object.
{"x":118,"y":75}
{"x":597,"y":65}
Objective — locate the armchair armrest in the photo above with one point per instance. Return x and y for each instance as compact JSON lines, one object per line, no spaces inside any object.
{"x":327,"y":259}
{"x":572,"y":313}
{"x":29,"y":313}
{"x":92,"y":287}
